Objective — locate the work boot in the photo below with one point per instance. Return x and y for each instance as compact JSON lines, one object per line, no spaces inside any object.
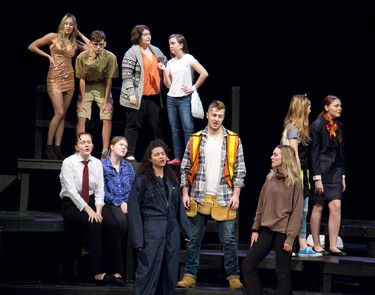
{"x":186,"y":282}
{"x":235,"y":284}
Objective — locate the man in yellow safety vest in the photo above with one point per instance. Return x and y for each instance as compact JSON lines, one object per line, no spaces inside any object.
{"x":212,"y":175}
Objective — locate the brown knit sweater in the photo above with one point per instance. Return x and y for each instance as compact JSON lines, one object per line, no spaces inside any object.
{"x":280,"y":207}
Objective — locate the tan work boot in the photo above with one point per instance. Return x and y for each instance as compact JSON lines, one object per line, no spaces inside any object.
{"x":235,"y":284}
{"x":186,"y":282}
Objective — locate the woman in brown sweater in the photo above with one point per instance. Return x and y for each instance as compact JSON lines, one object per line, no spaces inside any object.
{"x":277,"y":221}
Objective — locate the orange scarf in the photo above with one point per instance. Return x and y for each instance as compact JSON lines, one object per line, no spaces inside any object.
{"x":331,"y":128}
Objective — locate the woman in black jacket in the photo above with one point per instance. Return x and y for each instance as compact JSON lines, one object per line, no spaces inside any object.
{"x":328,"y":171}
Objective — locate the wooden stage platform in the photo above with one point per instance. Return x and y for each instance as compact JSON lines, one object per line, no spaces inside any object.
{"x":33,"y":260}
{"x":34,"y":257}
{"x":35,"y":267}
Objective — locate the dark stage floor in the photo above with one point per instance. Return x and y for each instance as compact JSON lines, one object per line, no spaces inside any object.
{"x":39,"y":288}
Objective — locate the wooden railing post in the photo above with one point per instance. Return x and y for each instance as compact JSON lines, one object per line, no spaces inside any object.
{"x":236,"y":128}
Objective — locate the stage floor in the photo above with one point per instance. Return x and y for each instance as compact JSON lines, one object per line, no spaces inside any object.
{"x":346,"y":286}
{"x":39,"y":288}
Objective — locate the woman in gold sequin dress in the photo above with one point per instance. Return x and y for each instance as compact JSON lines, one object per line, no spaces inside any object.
{"x":63,"y":46}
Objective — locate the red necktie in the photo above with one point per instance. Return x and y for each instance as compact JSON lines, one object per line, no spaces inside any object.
{"x":85,"y":182}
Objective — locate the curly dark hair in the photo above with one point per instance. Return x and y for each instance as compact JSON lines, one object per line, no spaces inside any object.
{"x":145,"y":168}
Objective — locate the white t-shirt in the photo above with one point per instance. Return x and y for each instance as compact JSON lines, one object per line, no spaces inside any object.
{"x":182,"y":74}
{"x":212,"y":152}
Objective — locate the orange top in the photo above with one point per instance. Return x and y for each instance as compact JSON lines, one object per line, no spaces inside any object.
{"x":152,"y":78}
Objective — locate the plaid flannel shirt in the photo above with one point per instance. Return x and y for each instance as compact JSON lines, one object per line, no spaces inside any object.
{"x":198,"y":190}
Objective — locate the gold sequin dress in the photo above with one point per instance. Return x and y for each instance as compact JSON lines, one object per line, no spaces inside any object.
{"x":60,"y":78}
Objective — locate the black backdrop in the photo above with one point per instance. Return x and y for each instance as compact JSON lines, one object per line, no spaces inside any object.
{"x":270,"y":49}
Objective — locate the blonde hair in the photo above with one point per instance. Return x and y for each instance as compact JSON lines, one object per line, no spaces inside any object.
{"x":60,"y":33}
{"x":298,"y":117}
{"x":289,"y":165}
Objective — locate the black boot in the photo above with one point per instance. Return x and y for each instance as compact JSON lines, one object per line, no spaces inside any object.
{"x":49,"y":153}
{"x":58,"y":152}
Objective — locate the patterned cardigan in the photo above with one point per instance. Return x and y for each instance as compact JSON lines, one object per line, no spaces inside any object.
{"x":133,"y":74}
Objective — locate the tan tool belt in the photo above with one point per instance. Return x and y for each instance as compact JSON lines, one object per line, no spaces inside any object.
{"x":210,"y":207}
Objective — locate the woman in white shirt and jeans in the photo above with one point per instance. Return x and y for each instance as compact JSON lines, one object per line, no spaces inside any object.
{"x":178,"y":77}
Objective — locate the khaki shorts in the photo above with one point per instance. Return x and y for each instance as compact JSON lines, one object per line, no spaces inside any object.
{"x":210,"y":207}
{"x":95,"y":92}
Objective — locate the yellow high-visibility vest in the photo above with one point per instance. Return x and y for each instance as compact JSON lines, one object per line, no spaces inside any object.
{"x":232,"y":146}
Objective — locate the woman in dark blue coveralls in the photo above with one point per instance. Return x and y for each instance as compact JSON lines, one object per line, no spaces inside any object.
{"x":157,"y":219}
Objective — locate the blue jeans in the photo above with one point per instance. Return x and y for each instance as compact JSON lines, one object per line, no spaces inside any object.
{"x":227,"y":239}
{"x":304,"y":217}
{"x":180,"y":120}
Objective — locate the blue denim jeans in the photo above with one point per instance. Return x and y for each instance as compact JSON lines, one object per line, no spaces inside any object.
{"x":304,"y":217}
{"x":227,"y":239}
{"x":181,"y":122}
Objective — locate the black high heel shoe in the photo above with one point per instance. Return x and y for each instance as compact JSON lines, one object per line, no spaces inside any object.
{"x":50,"y":153}
{"x":119,"y":282}
{"x":323,"y":252}
{"x":107,"y":279}
{"x":339,"y":253}
{"x":58,"y":153}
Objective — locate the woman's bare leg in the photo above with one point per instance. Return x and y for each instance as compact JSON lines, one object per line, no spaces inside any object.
{"x":60,"y":103}
{"x":315,"y":222}
{"x":334,"y":222}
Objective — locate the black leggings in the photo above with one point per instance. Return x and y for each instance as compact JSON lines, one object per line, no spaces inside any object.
{"x":267,"y":240}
